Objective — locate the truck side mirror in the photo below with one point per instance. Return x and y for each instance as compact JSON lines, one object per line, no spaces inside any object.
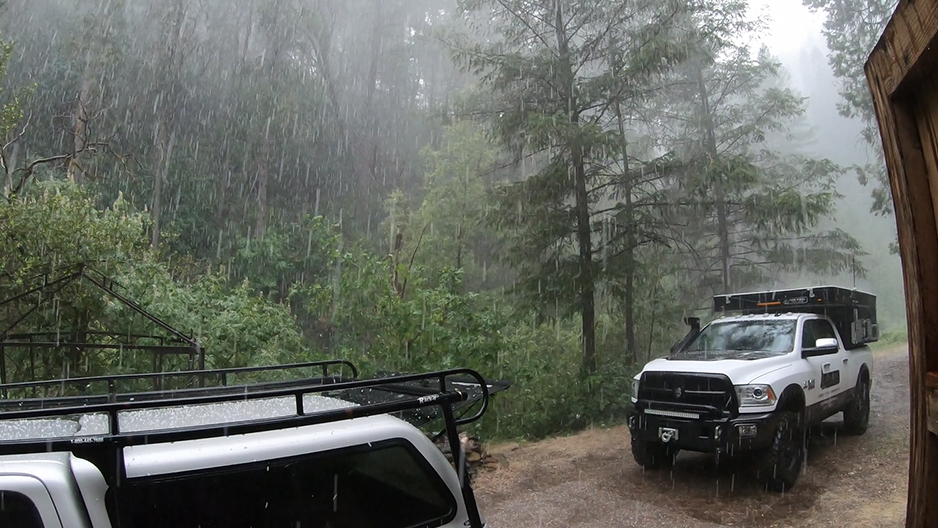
{"x":826,"y":345}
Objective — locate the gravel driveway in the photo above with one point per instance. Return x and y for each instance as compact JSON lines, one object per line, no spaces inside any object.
{"x":590,"y":479}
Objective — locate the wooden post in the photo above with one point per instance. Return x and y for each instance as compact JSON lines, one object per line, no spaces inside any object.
{"x":904,"y":84}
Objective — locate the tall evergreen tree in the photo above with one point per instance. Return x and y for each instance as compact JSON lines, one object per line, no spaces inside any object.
{"x":548,"y":64}
{"x":755,"y":206}
{"x":852,"y":28}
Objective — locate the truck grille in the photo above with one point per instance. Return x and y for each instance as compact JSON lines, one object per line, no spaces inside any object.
{"x":686,"y":390}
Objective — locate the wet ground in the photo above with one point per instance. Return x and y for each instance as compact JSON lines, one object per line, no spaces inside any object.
{"x":590,"y":479}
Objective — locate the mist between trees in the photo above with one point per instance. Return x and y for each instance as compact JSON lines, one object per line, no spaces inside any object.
{"x":536,"y":189}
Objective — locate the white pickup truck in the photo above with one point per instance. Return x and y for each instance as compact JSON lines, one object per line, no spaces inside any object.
{"x":753,"y":382}
{"x":311,"y":453}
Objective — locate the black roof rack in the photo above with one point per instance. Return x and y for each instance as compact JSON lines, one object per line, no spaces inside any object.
{"x":71,"y":392}
{"x":444,"y":390}
{"x":448,"y":388}
{"x":852,"y":311}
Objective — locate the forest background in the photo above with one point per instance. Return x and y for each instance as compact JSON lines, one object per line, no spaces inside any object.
{"x":537,"y":189}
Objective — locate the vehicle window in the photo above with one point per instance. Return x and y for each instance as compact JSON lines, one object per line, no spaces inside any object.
{"x":387,"y":486}
{"x":815,"y":329}
{"x":734,"y":337}
{"x":17,"y":511}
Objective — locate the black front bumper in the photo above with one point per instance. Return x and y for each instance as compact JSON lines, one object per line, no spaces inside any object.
{"x":705,"y":434}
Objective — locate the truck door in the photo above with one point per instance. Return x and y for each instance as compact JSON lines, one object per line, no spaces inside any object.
{"x":25,"y":503}
{"x":829,"y":375}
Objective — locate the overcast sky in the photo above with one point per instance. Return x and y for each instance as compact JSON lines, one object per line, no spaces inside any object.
{"x":792,"y":25}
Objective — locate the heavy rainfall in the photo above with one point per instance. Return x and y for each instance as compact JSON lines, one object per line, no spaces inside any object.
{"x":539,"y":190}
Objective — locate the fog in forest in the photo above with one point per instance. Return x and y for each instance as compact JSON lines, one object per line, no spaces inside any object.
{"x":541,"y":190}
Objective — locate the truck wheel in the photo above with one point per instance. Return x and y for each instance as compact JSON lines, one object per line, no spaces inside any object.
{"x":653,"y":455}
{"x":857,"y":412}
{"x":778,"y":467}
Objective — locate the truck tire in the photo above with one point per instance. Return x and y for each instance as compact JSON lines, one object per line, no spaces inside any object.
{"x":857,"y":412}
{"x":653,"y":455}
{"x":777,"y":468}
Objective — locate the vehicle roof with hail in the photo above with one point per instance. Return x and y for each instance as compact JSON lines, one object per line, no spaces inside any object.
{"x":789,"y":316}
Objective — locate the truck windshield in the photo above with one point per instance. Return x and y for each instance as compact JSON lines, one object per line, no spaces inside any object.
{"x":741,"y":340}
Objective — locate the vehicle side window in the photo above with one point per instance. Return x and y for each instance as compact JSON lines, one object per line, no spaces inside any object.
{"x":815,"y":329}
{"x":387,"y":484}
{"x":16,"y":510}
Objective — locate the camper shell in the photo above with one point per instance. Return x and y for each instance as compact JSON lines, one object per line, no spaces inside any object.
{"x":852,"y":311}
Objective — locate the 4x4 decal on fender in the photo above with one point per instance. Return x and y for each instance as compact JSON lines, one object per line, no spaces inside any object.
{"x":808,"y":384}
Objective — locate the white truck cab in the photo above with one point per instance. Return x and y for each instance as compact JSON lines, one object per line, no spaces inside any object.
{"x":753,"y":382}
{"x":325,"y":452}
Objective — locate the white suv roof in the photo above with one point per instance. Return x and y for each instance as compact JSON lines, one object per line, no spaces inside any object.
{"x":206,"y":453}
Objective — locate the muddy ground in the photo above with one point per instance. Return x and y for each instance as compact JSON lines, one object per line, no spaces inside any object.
{"x":590,"y":479}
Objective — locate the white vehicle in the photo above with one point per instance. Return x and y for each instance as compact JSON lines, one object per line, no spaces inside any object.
{"x":755,"y":381}
{"x":311,"y":453}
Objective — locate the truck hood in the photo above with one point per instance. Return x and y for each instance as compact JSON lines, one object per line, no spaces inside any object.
{"x":740,"y":372}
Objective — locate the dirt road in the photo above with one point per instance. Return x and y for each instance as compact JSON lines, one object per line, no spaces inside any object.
{"x":590,"y":479}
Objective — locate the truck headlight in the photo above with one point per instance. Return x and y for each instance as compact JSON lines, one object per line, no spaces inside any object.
{"x":755,"y":395}
{"x":635,"y":382}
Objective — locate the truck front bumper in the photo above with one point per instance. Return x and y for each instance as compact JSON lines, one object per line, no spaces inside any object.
{"x":725,"y":435}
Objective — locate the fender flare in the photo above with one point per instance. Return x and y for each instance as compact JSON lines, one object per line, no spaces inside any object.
{"x":792,"y":399}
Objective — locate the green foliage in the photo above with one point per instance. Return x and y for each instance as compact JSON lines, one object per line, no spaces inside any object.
{"x":236,"y":326}
{"x":425,"y":326}
{"x":277,"y":130}
{"x":451,"y":216}
{"x":756,"y":203}
{"x":288,"y":253}
{"x":893,"y":337}
{"x":56,"y":226}
{"x":561,"y":76}
{"x":550,"y":394}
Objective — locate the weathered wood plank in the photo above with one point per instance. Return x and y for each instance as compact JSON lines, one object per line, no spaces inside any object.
{"x":902,"y":54}
{"x":925,"y":101}
{"x":931,"y":380}
{"x":899,"y":72}
{"x":931,"y":385}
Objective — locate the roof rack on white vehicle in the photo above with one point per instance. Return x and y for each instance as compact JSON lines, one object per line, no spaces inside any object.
{"x":98,"y":427}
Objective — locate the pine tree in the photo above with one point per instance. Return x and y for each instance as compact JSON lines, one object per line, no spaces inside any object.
{"x":549,"y":65}
{"x":852,"y":28}
{"x":755,"y":204}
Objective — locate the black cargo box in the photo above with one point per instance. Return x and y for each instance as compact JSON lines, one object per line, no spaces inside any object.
{"x":853,"y":311}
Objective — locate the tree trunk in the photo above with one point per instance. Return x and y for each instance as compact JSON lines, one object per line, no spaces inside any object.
{"x":584,"y":240}
{"x":168,"y":66}
{"x":263,"y":175}
{"x":83,"y":107}
{"x":719,"y":192}
{"x":165,"y":142}
{"x":221,"y":188}
{"x":80,"y":119}
{"x":630,"y":239}
{"x":583,"y":228}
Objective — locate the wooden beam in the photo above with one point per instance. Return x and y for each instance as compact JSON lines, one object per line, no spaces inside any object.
{"x":931,"y":383}
{"x":901,"y":73}
{"x":904,"y":52}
